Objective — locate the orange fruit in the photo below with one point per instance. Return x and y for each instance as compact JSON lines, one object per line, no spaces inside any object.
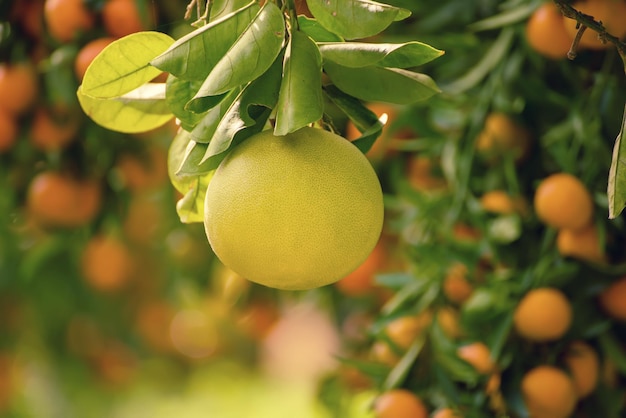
{"x":399,"y":403}
{"x":456,"y":287}
{"x":612,"y":14}
{"x":87,"y":53}
{"x":18,"y":87}
{"x":144,"y":171}
{"x":52,"y":129}
{"x":257,"y":318}
{"x":145,"y":220}
{"x":543,"y":314}
{"x":123,"y":17}
{"x":151,"y":320}
{"x":59,"y":200}
{"x":404,"y":330}
{"x":116,"y":364}
{"x":563,"y":201}
{"x":478,"y":355}
{"x":29,"y":15}
{"x":500,"y":135}
{"x":8,"y":131}
{"x":380,"y":148}
{"x":447,"y":413}
{"x":67,"y":19}
{"x":584,"y":365}
{"x":502,"y":203}
{"x":613,"y":297}
{"x":546,"y":33}
{"x":421,"y":174}
{"x":448,"y":319}
{"x":107,"y":263}
{"x":361,"y":281}
{"x":548,"y":392}
{"x":583,"y":244}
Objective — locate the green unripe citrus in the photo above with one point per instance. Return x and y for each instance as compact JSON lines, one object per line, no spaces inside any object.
{"x":294,"y":212}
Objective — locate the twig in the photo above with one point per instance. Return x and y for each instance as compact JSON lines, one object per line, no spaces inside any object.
{"x":586,"y":21}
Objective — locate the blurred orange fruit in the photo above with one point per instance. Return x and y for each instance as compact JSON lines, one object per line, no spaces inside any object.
{"x":8,"y":131}
{"x":399,"y":403}
{"x":548,"y":392}
{"x":584,"y":365}
{"x":583,"y":244}
{"x":422,"y":174}
{"x":257,"y":318}
{"x":447,"y":413}
{"x":404,"y":330}
{"x":546,"y":32}
{"x":144,"y":171}
{"x":18,"y":87}
{"x":151,"y":321}
{"x":478,"y":355}
{"x":502,"y":203}
{"x":52,"y":129}
{"x":613,"y":298}
{"x":563,"y":201}
{"x":87,"y":53}
{"x":66,"y":20}
{"x":543,"y":314}
{"x":123,"y":17}
{"x":456,"y":287}
{"x":501,"y":135}
{"x":448,"y":319}
{"x":107,"y":263}
{"x":612,"y":14}
{"x":361,"y":281}
{"x":145,"y":221}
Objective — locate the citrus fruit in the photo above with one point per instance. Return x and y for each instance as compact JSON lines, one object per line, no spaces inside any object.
{"x":548,"y":392}
{"x":613,"y":297}
{"x":294,"y":212}
{"x":502,"y":203}
{"x":18,"y":87}
{"x":8,"y":131}
{"x":67,"y":19}
{"x":584,"y":365}
{"x":87,"y":53}
{"x":448,"y":319}
{"x":546,"y":33}
{"x":53,"y":128}
{"x":399,"y":403}
{"x":563,"y":201}
{"x":404,"y":330}
{"x":447,"y":413}
{"x":123,"y":17}
{"x":502,"y":135}
{"x":380,"y":149}
{"x":478,"y":355}
{"x":456,"y":287}
{"x":361,"y":281}
{"x":107,"y":263}
{"x":421,"y":172}
{"x":583,"y":244}
{"x":543,"y":314}
{"x":611,"y":13}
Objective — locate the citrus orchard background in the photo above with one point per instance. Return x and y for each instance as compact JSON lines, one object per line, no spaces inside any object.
{"x":497,"y":288}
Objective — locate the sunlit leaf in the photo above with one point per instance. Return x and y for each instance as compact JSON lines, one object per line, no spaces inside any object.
{"x":616,"y":190}
{"x":300,"y":101}
{"x":316,"y":31}
{"x":392,"y":85}
{"x":357,"y":54}
{"x":354,"y":19}
{"x":124,"y":65}
{"x":251,"y":55}
{"x":193,"y":56}
{"x":190,"y":207}
{"x":140,"y":110}
{"x":221,"y":8}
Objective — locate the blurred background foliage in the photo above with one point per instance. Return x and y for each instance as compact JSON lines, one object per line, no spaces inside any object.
{"x":109,"y":306}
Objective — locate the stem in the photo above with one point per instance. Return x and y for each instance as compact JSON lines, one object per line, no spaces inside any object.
{"x":587,"y":21}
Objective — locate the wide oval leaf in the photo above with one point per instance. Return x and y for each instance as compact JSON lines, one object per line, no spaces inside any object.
{"x":358,"y":54}
{"x":355,"y":19}
{"x":316,"y":31}
{"x":616,"y":190}
{"x":140,"y":110}
{"x":124,"y":65}
{"x":251,"y":55}
{"x":300,"y":101}
{"x":193,"y":56}
{"x":392,"y":85}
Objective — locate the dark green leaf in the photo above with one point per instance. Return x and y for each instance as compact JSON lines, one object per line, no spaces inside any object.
{"x":203,"y":132}
{"x":316,"y":31}
{"x":355,"y":19}
{"x":177,"y":94}
{"x":373,"y":84}
{"x":403,"y":367}
{"x":300,"y":101}
{"x":193,"y":56}
{"x":221,"y":8}
{"x":357,"y":54}
{"x":616,"y":190}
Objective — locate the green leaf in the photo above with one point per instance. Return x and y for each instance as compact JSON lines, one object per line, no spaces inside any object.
{"x":393,"y":85}
{"x":175,"y":158}
{"x":124,"y":65}
{"x":140,"y":110}
{"x":250,"y":56}
{"x":193,"y":56}
{"x":355,"y":19}
{"x":221,"y":8}
{"x":357,"y":54}
{"x":316,"y":31}
{"x":300,"y":101}
{"x":616,"y":191}
{"x":178,"y":92}
{"x":190,"y":207}
{"x":205,"y":130}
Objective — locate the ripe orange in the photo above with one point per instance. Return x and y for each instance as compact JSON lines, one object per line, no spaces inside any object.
{"x":53,"y":129}
{"x":8,"y":131}
{"x":380,"y":148}
{"x":543,"y":314}
{"x":107,"y":263}
{"x":503,"y":135}
{"x":447,"y":413}
{"x":404,"y":330}
{"x":151,"y":320}
{"x":584,"y":365}
{"x":18,"y":87}
{"x":361,"y":281}
{"x":546,"y":33}
{"x":87,"y":53}
{"x":399,"y":403}
{"x":563,"y":201}
{"x":478,"y":355}
{"x":581,"y":243}
{"x":59,"y":200}
{"x":448,"y":319}
{"x":548,"y":392}
{"x":612,"y":299}
{"x":145,"y":219}
{"x":257,"y":318}
{"x":502,"y":203}
{"x":612,"y":14}
{"x":123,"y":17}
{"x":67,"y":19}
{"x":421,"y":174}
{"x":456,"y":287}
{"x":140,"y":172}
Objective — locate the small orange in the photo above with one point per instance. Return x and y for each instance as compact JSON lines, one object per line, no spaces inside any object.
{"x":584,"y":365}
{"x":548,"y":392}
{"x":478,"y":355}
{"x":257,"y":318}
{"x":67,"y":19}
{"x":421,"y":174}
{"x":543,"y":314}
{"x":502,"y":203}
{"x":404,"y":330}
{"x":8,"y":131}
{"x":123,"y":17}
{"x":107,"y":263}
{"x":447,"y":413}
{"x":501,"y":135}
{"x":563,"y":201}
{"x":399,"y":403}
{"x":612,"y":14}
{"x":456,"y":287}
{"x":151,"y":319}
{"x":546,"y":33}
{"x":18,"y":87}
{"x":144,"y":171}
{"x":87,"y":53}
{"x":361,"y":281}
{"x":613,"y":298}
{"x":583,"y":244}
{"x":145,"y":220}
{"x":52,"y":129}
{"x":448,"y":319}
